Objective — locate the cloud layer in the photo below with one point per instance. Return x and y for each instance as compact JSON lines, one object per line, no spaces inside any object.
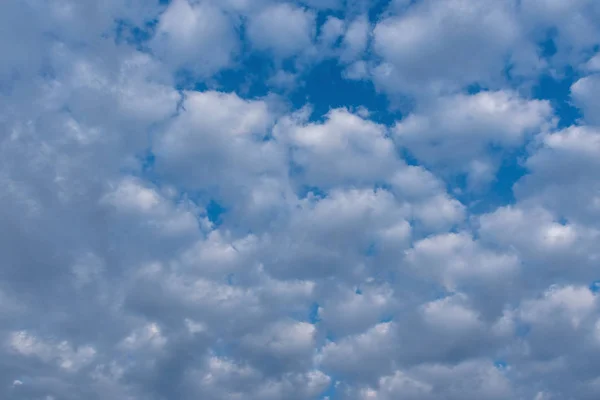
{"x":180,"y":222}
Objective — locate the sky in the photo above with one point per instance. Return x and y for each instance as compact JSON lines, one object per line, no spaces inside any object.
{"x":302,"y":200}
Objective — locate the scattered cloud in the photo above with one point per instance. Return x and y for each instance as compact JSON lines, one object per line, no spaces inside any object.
{"x":180,"y":221}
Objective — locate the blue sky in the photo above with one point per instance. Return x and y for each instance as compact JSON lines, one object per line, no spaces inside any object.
{"x":305,"y":200}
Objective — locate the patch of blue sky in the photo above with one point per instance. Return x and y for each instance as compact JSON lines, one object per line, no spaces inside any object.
{"x":501,"y":365}
{"x":325,"y":88}
{"x":522,"y":330}
{"x":215,"y":212}
{"x":313,"y":313}
{"x":138,"y":36}
{"x":330,"y":392}
{"x":305,"y":191}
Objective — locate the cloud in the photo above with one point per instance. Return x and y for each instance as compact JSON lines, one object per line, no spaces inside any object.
{"x":561,"y":176}
{"x":355,"y":39}
{"x":429,"y":381}
{"x":283,"y":29}
{"x":454,"y":132}
{"x":163,"y":239}
{"x":345,"y":147}
{"x":187,"y":35}
{"x":427,"y":46}
{"x":583,"y":92}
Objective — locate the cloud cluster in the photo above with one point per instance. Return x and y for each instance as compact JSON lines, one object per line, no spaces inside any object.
{"x":170,"y":231}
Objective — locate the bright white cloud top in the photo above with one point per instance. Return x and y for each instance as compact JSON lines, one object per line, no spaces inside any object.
{"x":304,"y":200}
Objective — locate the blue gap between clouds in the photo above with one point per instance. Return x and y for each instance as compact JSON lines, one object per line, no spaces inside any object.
{"x":500,"y":364}
{"x":330,"y":392}
{"x":313,"y":314}
{"x":137,"y":36}
{"x":326,"y":89}
{"x":214,"y":212}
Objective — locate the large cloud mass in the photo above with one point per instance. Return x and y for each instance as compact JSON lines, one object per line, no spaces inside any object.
{"x":179,"y":222}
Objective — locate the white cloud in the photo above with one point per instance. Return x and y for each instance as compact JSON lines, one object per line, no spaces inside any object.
{"x":62,"y":353}
{"x":574,"y":22}
{"x":361,"y":357}
{"x":562,"y":177}
{"x":584,"y":93}
{"x":571,"y":303}
{"x":335,"y":266}
{"x":469,"y":380}
{"x":456,"y":132}
{"x":450,"y":313}
{"x":197,"y":36}
{"x":225,"y":133}
{"x":345,"y":148}
{"x":430,"y":46}
{"x":130,"y":197}
{"x":284,"y":29}
{"x":331,"y":30}
{"x":355,"y":39}
{"x":349,"y":312}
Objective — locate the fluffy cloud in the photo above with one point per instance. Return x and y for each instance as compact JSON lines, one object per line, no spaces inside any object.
{"x":283,"y":29}
{"x":164,"y":240}
{"x":430,"y":45}
{"x":187,"y":37}
{"x":562,"y":177}
{"x":470,"y":380}
{"x":456,"y":131}
{"x":345,"y":147}
{"x":355,"y":39}
{"x":584,"y":94}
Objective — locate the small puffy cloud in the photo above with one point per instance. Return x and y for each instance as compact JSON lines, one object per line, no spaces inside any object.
{"x":331,"y":30}
{"x":593,"y":64}
{"x":282,"y":28}
{"x":197,"y":36}
{"x":361,"y":357}
{"x":285,"y":344}
{"x":450,"y":313}
{"x":350,"y":311}
{"x":344,"y":148}
{"x":574,"y":23}
{"x":227,"y":134}
{"x":458,"y":132}
{"x":355,"y":39}
{"x":315,"y":243}
{"x":469,"y":380}
{"x":584,"y":93}
{"x":430,"y":45}
{"x":571,"y":303}
{"x":562,"y":176}
{"x":130,"y":197}
{"x":61,"y":353}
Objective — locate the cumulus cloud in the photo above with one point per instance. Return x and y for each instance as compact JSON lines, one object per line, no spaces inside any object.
{"x":284,"y":29}
{"x":456,"y":131}
{"x":197,"y":36}
{"x":583,"y":92}
{"x":430,"y":45}
{"x":164,"y":240}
